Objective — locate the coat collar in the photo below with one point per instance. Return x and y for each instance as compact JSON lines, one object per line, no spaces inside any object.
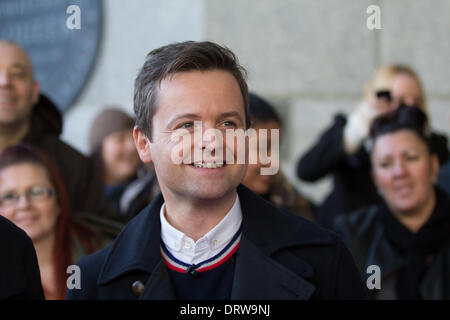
{"x":271,"y":228}
{"x":382,"y":254}
{"x":137,"y":248}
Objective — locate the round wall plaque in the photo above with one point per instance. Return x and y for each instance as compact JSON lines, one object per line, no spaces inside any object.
{"x":62,"y":54}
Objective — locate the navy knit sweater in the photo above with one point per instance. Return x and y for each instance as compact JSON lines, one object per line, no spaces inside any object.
{"x":211,"y":279}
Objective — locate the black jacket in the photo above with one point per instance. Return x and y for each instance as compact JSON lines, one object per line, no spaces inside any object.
{"x":19,"y":271}
{"x":353,"y":186}
{"x":281,"y":256}
{"x":365,"y":234}
{"x":83,"y":183}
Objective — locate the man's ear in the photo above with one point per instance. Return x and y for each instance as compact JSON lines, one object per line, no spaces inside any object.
{"x":142,"y":145}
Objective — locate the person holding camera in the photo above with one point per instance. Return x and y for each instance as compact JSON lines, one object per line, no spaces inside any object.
{"x":342,"y":149}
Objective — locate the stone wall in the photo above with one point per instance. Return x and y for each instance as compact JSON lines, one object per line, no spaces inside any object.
{"x":311,"y":59}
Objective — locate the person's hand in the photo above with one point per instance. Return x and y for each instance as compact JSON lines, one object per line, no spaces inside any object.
{"x":380,"y":106}
{"x":358,"y":124}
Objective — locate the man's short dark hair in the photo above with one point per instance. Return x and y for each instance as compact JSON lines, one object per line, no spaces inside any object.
{"x":180,"y":57}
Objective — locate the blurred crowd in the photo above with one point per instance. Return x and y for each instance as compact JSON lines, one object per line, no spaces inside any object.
{"x":389,"y":201}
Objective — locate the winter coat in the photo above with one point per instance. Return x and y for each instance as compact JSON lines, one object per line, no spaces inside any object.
{"x":281,"y":256}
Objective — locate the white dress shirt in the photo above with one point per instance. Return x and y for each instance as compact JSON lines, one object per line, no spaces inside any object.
{"x":187,"y":250}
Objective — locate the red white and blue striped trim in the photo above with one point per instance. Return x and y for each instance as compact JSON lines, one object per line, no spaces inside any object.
{"x":211,"y":263}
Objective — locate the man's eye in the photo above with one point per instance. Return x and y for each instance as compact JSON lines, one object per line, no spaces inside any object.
{"x":229,"y":124}
{"x":186,"y":125}
{"x":18,"y":74}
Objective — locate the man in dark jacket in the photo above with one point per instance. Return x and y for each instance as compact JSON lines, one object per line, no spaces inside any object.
{"x":19,"y":271}
{"x":28,"y":116}
{"x":206,"y":236}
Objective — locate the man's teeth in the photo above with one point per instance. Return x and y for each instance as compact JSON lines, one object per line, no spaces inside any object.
{"x":208,"y":165}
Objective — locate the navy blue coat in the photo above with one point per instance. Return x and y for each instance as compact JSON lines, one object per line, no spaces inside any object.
{"x":281,"y":256}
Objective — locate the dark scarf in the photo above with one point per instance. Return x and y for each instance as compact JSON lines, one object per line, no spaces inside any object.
{"x":417,"y":249}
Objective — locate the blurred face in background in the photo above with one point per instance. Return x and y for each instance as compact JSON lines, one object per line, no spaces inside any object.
{"x":18,"y":89}
{"x":35,"y":209}
{"x":120,"y":157}
{"x":253,"y":179}
{"x":406,"y":89}
{"x":404,"y":171}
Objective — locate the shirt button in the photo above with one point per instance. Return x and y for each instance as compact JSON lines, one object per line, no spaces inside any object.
{"x":187,"y":245}
{"x":214,"y":243}
{"x":177,"y":245}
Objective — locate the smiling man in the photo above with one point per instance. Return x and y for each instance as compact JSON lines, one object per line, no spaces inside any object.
{"x":206,"y":236}
{"x":30,"y":117}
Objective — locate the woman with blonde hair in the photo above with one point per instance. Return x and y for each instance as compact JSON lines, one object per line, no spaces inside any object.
{"x":342,"y":150}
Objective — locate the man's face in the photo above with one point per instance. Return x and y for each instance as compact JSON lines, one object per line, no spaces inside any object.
{"x":18,"y":90}
{"x":212,"y":97}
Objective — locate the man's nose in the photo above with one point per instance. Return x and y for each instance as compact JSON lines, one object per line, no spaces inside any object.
{"x":206,"y":136}
{"x":207,"y":141}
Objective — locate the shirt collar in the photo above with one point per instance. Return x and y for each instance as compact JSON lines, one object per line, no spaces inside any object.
{"x":187,"y":250}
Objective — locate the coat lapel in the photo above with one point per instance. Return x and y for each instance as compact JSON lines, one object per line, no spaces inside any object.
{"x":436,"y":282}
{"x":265,"y":269}
{"x":159,"y":286}
{"x":381,"y":254}
{"x":137,"y":249}
{"x":258,"y":277}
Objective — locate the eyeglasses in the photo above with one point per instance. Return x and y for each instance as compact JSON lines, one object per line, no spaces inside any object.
{"x":34,"y":195}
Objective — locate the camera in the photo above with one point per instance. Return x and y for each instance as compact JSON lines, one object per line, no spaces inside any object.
{"x":386,"y":94}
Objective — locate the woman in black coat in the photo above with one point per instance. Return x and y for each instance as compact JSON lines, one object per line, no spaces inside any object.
{"x":19,"y":270}
{"x":342,"y":152}
{"x":405,"y":235}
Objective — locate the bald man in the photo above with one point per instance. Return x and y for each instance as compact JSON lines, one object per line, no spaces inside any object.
{"x":19,"y":91}
{"x":28,"y":116}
